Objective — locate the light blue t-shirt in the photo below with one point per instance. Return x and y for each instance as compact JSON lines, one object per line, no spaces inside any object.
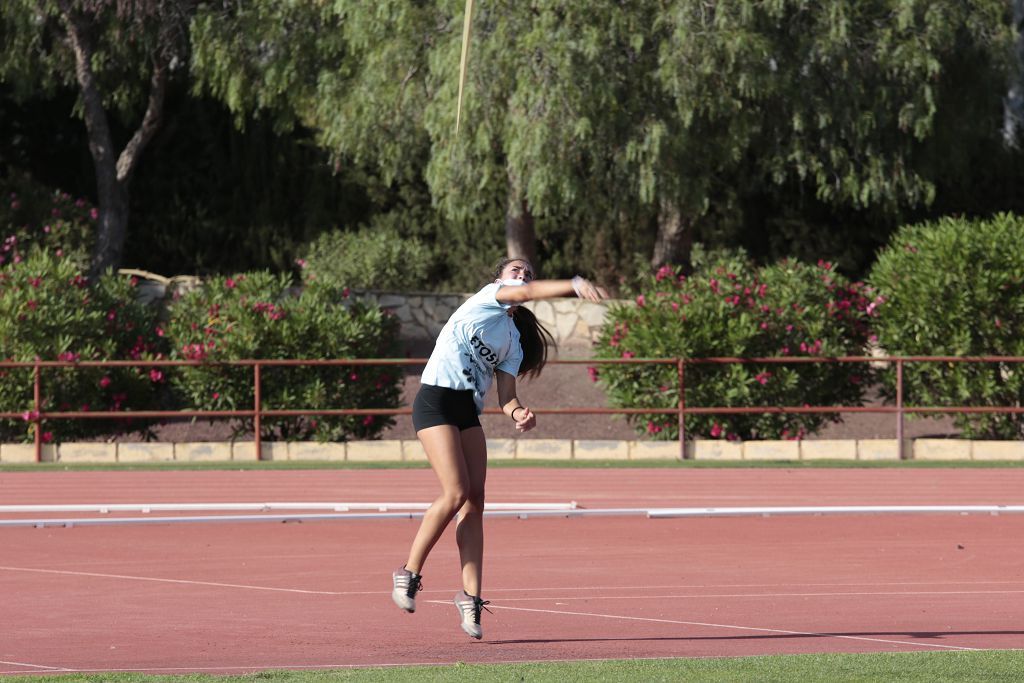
{"x":478,"y":339}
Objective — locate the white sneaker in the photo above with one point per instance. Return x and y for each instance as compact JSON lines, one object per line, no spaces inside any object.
{"x":407,"y":584}
{"x":469,"y":607}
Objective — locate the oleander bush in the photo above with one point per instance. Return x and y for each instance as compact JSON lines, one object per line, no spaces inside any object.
{"x":955,"y":287}
{"x":259,"y":315}
{"x":32,"y":216}
{"x":728,"y":307}
{"x":48,"y":311}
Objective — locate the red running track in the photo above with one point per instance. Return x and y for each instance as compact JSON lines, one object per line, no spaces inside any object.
{"x":241,"y":597}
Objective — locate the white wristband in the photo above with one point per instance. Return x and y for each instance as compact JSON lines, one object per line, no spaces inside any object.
{"x":577,"y":282}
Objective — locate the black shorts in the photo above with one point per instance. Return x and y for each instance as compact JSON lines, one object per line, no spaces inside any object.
{"x":442,"y":406}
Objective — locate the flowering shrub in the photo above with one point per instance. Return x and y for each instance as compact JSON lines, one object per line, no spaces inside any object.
{"x":48,"y":312}
{"x":956,"y":287}
{"x":728,"y":307}
{"x":257,"y":316}
{"x":31,"y":216}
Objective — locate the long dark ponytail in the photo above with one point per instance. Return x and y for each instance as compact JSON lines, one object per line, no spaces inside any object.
{"x":533,"y":337}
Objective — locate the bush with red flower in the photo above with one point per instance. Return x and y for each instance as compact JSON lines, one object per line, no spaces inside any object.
{"x":259,"y":315}
{"x":48,"y":311}
{"x":728,"y":307}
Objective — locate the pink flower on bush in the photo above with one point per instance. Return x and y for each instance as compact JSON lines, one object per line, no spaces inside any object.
{"x":762,"y":377}
{"x":105,"y":382}
{"x":46,"y":437}
{"x":628,"y":354}
{"x":230,"y":283}
{"x":156,"y":375}
{"x":592,"y":371}
{"x":368,"y":420}
{"x":30,"y":415}
{"x":94,"y":214}
{"x":216,"y":395}
{"x":716,"y":430}
{"x":641,"y":301}
{"x":68,"y":356}
{"x":663,"y":273}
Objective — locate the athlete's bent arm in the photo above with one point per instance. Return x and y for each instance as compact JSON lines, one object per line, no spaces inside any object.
{"x":524,"y":418}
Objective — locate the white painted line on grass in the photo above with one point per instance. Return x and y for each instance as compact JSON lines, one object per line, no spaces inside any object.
{"x":727,"y":626}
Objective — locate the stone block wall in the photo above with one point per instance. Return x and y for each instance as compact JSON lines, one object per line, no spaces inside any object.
{"x":575,"y":324}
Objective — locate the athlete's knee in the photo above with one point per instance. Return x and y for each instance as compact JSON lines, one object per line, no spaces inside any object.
{"x":475,"y":502}
{"x":454,"y":498}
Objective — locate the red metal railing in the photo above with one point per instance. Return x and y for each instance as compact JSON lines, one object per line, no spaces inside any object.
{"x":257,"y":412}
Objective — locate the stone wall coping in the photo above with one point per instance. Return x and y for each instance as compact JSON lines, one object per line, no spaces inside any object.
{"x":409,"y":450}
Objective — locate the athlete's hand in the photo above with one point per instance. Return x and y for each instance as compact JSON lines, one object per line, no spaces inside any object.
{"x":585,"y":289}
{"x":527,"y":420}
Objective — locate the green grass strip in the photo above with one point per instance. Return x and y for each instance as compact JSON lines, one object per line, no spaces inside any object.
{"x":922,"y":667}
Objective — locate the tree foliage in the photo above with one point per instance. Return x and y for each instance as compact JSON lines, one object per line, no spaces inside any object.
{"x":604,"y":129}
{"x":119,"y":56}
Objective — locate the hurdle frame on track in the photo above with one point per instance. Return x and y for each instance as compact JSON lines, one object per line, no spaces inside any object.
{"x":36,"y":415}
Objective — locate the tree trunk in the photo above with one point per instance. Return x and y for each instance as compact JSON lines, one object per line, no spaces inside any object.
{"x":1013,"y":104}
{"x":675,"y":237}
{"x":113,"y":173}
{"x":520,"y":236}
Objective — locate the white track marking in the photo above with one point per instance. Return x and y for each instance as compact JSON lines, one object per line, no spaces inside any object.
{"x":729,"y":626}
{"x":259,"y":507}
{"x":651,"y":513}
{"x":178,"y":581}
{"x":689,"y":596}
{"x":32,"y":666}
{"x":698,"y":596}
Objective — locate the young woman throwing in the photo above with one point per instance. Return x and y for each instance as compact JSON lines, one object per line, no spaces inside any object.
{"x":490,"y":337}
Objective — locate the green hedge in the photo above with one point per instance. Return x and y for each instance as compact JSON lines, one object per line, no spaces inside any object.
{"x":956,"y":287}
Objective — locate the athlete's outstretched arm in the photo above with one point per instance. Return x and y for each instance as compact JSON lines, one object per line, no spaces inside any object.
{"x":550,"y":289}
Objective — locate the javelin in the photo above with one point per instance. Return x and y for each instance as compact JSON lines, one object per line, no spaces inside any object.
{"x":466,"y":27}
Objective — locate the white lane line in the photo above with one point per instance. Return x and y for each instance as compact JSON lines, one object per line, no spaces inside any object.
{"x":697,"y":596}
{"x":178,"y":581}
{"x":692,"y":586}
{"x":727,"y":626}
{"x":128,"y":577}
{"x":31,"y":666}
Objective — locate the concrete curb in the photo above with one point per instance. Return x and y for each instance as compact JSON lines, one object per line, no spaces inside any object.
{"x":522,"y":449}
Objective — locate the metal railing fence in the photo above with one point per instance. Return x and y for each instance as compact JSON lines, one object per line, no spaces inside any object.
{"x":257,"y":413}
